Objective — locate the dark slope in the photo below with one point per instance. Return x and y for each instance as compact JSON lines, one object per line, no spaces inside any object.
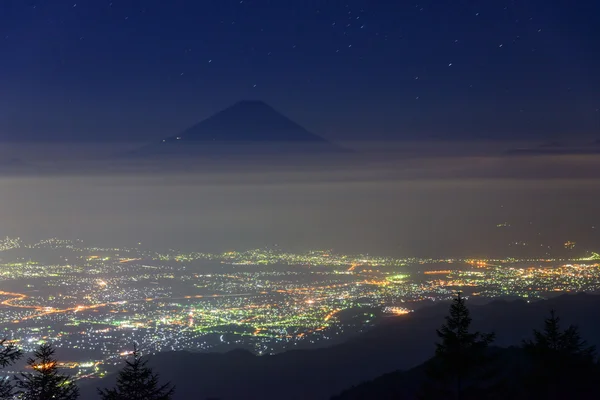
{"x":406,"y":385}
{"x":400,"y":343}
{"x":397,"y":385}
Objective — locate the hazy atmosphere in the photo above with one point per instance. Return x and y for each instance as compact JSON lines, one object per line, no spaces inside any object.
{"x":438,"y":205}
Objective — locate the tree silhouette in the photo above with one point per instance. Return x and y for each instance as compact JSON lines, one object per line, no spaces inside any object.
{"x":562,"y":363}
{"x":136,"y":381}
{"x":9,"y":353}
{"x":45,"y":382}
{"x":461,"y":367}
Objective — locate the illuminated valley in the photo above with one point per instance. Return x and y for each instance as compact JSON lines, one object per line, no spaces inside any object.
{"x":93,"y":302}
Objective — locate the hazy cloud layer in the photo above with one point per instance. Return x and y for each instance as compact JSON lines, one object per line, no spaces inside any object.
{"x":433,"y":204}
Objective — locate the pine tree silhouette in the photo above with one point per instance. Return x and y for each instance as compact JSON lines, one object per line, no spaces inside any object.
{"x":562,"y":363}
{"x":461,"y":368}
{"x":45,"y":382}
{"x":136,"y":381}
{"x":8,"y":355}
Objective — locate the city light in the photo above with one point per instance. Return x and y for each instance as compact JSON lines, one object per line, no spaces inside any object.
{"x":100,"y":299}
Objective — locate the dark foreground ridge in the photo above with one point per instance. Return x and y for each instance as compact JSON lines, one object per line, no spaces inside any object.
{"x":404,"y":343}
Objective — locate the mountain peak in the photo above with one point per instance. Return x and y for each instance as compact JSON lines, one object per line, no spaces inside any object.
{"x":246,"y":121}
{"x":251,"y":102}
{"x":246,"y":130}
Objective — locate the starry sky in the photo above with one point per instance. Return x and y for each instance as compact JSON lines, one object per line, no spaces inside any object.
{"x":125,"y":70}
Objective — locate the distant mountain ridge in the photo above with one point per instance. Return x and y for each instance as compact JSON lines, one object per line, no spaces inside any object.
{"x":557,"y":148}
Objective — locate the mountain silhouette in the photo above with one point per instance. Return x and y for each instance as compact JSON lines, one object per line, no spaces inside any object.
{"x":247,"y":121}
{"x":246,"y":128}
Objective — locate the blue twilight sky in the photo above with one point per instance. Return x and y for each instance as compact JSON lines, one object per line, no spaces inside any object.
{"x":353,"y":69}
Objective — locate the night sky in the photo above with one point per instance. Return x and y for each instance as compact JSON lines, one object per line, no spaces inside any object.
{"x":354,"y":69}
